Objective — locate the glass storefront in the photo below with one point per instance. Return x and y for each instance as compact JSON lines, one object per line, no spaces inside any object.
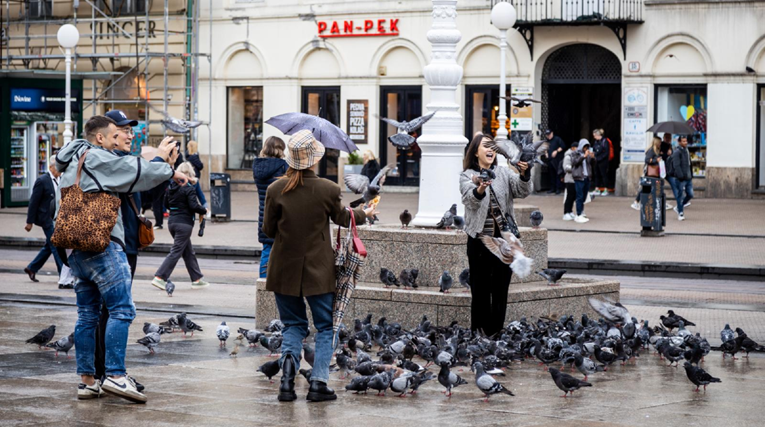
{"x":324,"y":102}
{"x":482,"y":110}
{"x":400,"y":103}
{"x":685,"y":103}
{"x":245,"y":126}
{"x":761,"y":136}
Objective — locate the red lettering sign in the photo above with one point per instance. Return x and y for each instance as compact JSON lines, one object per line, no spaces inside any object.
{"x":368,"y":30}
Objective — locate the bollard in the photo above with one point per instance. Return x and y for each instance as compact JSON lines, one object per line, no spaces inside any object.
{"x":220,"y":196}
{"x":652,"y":202}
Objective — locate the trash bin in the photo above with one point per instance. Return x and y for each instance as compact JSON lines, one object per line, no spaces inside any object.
{"x":220,"y":196}
{"x":652,"y":202}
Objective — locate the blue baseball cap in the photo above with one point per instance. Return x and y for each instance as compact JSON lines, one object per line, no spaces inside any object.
{"x":120,"y":118}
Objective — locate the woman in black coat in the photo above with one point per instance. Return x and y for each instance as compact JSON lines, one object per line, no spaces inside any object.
{"x":265,"y":170}
{"x":371,"y":166}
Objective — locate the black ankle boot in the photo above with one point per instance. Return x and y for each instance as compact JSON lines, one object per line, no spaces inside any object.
{"x":319,"y":392}
{"x":287,"y":387}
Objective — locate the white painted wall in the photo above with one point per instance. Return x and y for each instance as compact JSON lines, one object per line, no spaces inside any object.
{"x":731,"y":124}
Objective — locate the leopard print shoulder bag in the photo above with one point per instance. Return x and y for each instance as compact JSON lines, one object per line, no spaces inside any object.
{"x":85,"y":220}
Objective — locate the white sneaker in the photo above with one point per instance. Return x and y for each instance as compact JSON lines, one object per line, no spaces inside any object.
{"x":584,"y":214}
{"x":635,"y":205}
{"x":681,"y":217}
{"x":687,"y":204}
{"x":667,"y":207}
{"x":123,"y":388}
{"x":568,"y":217}
{"x":676,"y":211}
{"x":85,"y":391}
{"x":581,"y":219}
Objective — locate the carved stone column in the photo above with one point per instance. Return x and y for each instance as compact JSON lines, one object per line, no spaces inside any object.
{"x":442,"y":141}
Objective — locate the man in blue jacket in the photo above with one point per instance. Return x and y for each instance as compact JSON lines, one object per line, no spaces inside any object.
{"x":42,"y":206}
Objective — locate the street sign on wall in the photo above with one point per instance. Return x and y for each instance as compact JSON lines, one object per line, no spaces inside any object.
{"x":635,"y":124}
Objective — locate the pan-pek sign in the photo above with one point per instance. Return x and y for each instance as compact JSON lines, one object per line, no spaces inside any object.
{"x":358,"y":120}
{"x":367,"y":28}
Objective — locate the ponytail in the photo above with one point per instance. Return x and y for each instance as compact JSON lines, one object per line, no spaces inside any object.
{"x":294,"y":179}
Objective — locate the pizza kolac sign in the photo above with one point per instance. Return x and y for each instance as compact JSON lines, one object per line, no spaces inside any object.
{"x":358,"y":120}
{"x":365,"y":28}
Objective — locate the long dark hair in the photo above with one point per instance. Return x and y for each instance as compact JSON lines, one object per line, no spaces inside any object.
{"x":471,"y":161}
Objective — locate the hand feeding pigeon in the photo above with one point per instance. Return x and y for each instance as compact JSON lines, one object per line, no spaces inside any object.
{"x":270,"y":369}
{"x":536,"y":218}
{"x":63,"y":344}
{"x":150,"y":341}
{"x":566,"y":382}
{"x":405,"y":218}
{"x":445,"y":282}
{"x":552,"y":275}
{"x":360,"y":184}
{"x":223,"y":333}
{"x":487,"y":384}
{"x":448,"y":219}
{"x":699,"y":376}
{"x":43,"y":337}
{"x":401,"y":139}
{"x":464,"y":278}
{"x":509,"y":250}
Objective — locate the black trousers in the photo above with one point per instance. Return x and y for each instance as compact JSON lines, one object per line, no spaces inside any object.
{"x":100,"y":356}
{"x":158,"y":203}
{"x":552,"y":173}
{"x":601,"y":174}
{"x":568,"y":204}
{"x":489,"y":283}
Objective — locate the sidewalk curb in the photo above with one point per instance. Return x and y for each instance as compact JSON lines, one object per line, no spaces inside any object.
{"x":659,"y":269}
{"x":208,"y":251}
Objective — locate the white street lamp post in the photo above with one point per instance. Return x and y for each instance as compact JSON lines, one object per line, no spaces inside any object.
{"x":503,"y":17}
{"x":68,"y":36}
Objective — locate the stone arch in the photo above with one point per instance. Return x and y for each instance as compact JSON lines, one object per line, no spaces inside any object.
{"x":397,"y":46}
{"x":756,"y":54}
{"x":674,"y":44}
{"x":235,"y":49}
{"x":308,"y":49}
{"x":482,"y":45}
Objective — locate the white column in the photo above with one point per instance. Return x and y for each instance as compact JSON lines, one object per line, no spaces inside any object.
{"x":502,"y":131}
{"x":442,"y":141}
{"x":68,"y":98}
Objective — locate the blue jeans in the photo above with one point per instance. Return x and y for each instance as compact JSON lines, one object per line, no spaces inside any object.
{"x":292,"y":314}
{"x":678,"y":188}
{"x":265,"y":253}
{"x":102,"y":277}
{"x":45,"y":252}
{"x":582,"y":187}
{"x":200,"y":194}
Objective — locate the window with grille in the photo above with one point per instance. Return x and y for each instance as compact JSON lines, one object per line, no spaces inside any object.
{"x":40,"y":9}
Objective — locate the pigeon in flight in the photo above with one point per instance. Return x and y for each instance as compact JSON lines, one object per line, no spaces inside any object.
{"x":360,"y":184}
{"x":448,"y":219}
{"x":405,"y":218}
{"x":509,"y":250}
{"x":445,"y":282}
{"x":176,"y":125}
{"x":150,"y":341}
{"x":521,"y":102}
{"x":536,"y":218}
{"x":63,"y":344}
{"x":699,"y":376}
{"x":614,"y":313}
{"x":566,"y":382}
{"x":552,"y":275}
{"x":402,"y":139}
{"x":43,"y":337}
{"x":487,"y":384}
{"x":223,"y":332}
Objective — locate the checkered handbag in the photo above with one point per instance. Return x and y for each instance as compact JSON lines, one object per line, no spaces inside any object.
{"x":350,"y":254}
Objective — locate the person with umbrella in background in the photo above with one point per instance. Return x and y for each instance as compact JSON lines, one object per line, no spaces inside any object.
{"x":302,"y":261}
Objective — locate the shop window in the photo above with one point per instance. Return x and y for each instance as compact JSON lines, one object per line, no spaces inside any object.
{"x":400,"y":103}
{"x":686,"y":104}
{"x":245,"y":126}
{"x":482,"y":110}
{"x":40,"y":9}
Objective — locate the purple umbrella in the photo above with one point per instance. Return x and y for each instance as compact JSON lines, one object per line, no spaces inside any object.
{"x":323,"y":130}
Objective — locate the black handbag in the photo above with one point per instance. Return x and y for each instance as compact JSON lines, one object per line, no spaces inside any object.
{"x":504,"y":221}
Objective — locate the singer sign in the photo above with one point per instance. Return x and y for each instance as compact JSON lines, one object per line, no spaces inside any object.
{"x":369,"y":28}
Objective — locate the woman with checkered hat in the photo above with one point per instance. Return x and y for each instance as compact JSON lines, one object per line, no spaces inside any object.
{"x":298,"y":209}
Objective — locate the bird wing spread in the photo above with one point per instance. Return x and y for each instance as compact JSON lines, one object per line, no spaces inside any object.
{"x":499,"y":247}
{"x":392,"y":122}
{"x":416,"y":123}
{"x":357,"y":183}
{"x":379,"y":178}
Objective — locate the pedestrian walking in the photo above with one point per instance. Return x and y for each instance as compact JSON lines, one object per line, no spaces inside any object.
{"x":666,"y":146}
{"x":265,"y":170}
{"x":41,"y":210}
{"x":651,"y":166}
{"x":105,"y":276}
{"x":298,"y":209}
{"x":371,"y":166}
{"x":489,"y":276}
{"x":681,"y":179}
{"x":568,"y":180}
{"x":580,"y":167}
{"x":601,"y":149}
{"x":555,"y":149}
{"x":192,"y":156}
{"x":182,"y":202}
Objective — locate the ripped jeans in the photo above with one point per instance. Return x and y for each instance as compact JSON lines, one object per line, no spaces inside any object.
{"x":102,"y":277}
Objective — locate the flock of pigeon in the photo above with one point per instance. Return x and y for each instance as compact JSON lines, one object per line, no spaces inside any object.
{"x":587,"y":345}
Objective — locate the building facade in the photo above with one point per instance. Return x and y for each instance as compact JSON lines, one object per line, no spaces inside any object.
{"x":658,"y":60}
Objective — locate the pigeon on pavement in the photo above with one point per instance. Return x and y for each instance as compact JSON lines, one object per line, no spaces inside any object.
{"x":252,"y":336}
{"x":359,"y":384}
{"x":270,"y":369}
{"x":552,"y":275}
{"x":405,"y":218}
{"x":381,"y":382}
{"x":699,"y":376}
{"x":272,"y":343}
{"x":275,"y":325}
{"x":188,"y":325}
{"x":566,"y":382}
{"x":223,"y":333}
{"x":413,"y":273}
{"x":586,"y":366}
{"x":405,"y":278}
{"x":448,"y":219}
{"x":748,"y":344}
{"x":63,"y":344}
{"x":449,"y":379}
{"x":727,"y":334}
{"x":309,"y":354}
{"x":170,"y":288}
{"x":536,"y":218}
{"x":464,"y":278}
{"x":678,"y":317}
{"x":150,"y":341}
{"x":43,"y":337}
{"x":401,"y":139}
{"x":360,"y":184}
{"x":487,"y":384}
{"x":445,"y":282}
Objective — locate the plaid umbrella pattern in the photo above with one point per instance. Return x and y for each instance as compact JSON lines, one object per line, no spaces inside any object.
{"x":349,"y":258}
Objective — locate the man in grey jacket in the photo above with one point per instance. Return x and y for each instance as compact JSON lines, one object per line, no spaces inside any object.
{"x":105,"y":276}
{"x":681,"y":179}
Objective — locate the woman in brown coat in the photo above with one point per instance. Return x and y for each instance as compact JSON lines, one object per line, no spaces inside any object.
{"x":302,"y":264}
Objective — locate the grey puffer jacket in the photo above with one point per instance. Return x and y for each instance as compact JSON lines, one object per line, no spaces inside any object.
{"x":574,"y":164}
{"x":507,"y":186}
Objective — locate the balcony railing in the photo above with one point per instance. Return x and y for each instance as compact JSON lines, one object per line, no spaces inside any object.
{"x":576,"y":12}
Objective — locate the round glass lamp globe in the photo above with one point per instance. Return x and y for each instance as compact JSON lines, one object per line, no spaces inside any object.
{"x":68,"y":36}
{"x":503,"y":15}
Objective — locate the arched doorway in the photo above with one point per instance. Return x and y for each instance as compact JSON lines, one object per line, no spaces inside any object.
{"x":581,"y":90}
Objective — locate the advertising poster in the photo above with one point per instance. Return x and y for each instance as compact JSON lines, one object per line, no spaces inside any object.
{"x":635,"y":124}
